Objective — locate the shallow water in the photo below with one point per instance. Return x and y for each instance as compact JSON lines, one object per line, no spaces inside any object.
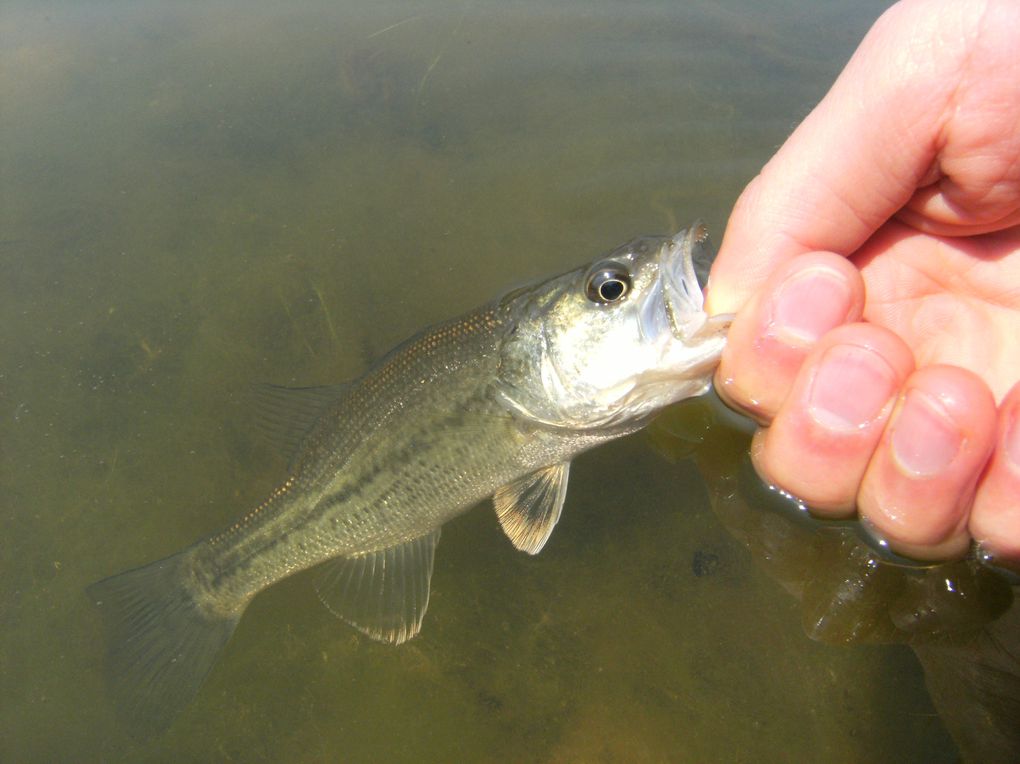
{"x":195,"y":197}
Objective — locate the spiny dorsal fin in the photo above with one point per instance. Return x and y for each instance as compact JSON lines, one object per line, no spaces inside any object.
{"x":383,"y":594}
{"x":284,"y":415}
{"x":529,"y":508}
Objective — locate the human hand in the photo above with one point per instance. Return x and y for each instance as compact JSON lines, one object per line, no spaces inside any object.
{"x":875,"y":267}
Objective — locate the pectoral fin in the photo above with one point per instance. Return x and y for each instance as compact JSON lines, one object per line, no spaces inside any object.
{"x":529,"y":508}
{"x":383,"y":594}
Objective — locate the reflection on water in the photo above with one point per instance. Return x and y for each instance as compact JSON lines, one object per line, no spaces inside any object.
{"x":850,"y":592}
{"x":197,"y":197}
{"x":951,"y":613}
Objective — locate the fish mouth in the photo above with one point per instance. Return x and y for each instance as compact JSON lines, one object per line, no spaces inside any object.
{"x":679,"y":262}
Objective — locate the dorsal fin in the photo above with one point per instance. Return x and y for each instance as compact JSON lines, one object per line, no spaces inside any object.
{"x":529,"y":508}
{"x":284,"y":415}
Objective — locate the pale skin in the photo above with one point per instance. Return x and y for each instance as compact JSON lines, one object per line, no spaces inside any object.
{"x":874,"y":266}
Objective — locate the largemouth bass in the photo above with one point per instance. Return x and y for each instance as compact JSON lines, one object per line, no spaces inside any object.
{"x":494,"y":403}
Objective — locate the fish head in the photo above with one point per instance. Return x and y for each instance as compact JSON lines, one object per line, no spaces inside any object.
{"x":610,"y":344}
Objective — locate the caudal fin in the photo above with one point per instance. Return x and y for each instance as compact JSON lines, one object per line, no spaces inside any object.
{"x":161,"y":643}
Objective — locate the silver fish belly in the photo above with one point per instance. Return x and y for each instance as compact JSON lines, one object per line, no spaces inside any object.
{"x":494,"y":403}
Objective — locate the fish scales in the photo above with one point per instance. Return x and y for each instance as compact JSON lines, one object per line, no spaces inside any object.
{"x":351,"y":491}
{"x":494,"y":403}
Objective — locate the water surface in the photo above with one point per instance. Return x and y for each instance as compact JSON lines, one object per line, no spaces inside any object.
{"x":195,"y":196}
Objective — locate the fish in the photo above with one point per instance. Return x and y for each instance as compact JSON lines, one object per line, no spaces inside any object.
{"x":495,"y":403}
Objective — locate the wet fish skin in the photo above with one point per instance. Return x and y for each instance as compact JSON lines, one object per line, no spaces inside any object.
{"x":494,"y":403}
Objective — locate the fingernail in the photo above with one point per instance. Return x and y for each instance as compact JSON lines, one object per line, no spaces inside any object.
{"x":851,"y":387}
{"x":808,"y":305}
{"x":925,"y":439}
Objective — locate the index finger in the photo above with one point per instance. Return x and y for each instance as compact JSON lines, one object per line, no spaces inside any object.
{"x":860,"y":155}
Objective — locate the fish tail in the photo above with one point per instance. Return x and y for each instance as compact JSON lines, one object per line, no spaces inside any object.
{"x":161,"y":642}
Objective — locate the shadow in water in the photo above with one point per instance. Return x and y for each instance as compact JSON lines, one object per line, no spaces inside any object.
{"x":957,"y":616}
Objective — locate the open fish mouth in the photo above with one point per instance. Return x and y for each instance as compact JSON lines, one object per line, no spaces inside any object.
{"x":679,"y":262}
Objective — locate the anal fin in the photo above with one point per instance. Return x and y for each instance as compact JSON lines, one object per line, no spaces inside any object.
{"x":383,"y":594}
{"x":529,"y":508}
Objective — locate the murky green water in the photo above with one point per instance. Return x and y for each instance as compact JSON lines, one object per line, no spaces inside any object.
{"x":195,"y":196}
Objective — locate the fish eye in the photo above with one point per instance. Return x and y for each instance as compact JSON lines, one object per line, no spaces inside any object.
{"x":608,"y":283}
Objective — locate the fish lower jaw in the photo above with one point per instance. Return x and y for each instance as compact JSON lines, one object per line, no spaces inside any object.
{"x":685,"y":324}
{"x":643,"y":399}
